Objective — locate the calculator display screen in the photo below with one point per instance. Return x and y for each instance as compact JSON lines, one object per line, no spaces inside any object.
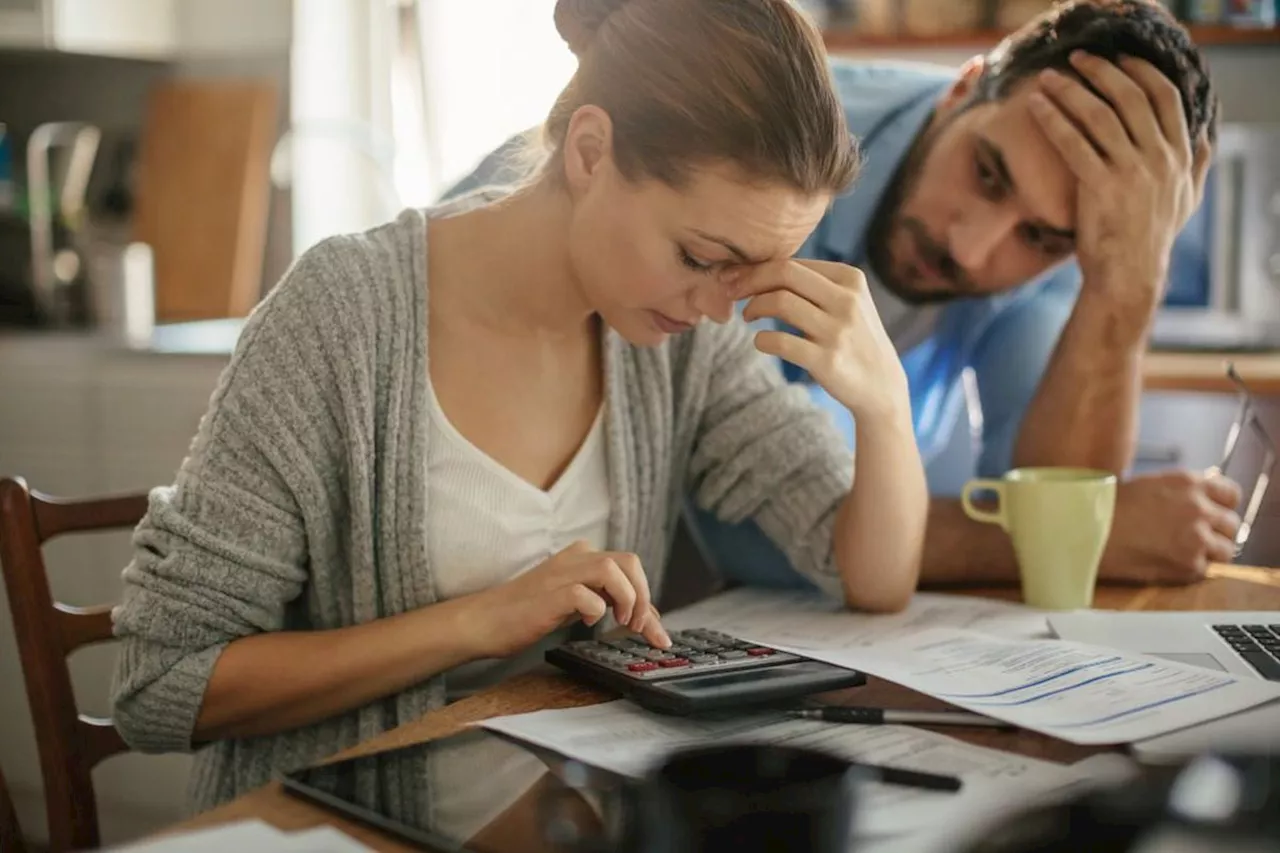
{"x":719,"y":681}
{"x":744,"y":681}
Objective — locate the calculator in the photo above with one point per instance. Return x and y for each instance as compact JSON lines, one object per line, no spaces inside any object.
{"x":704,"y":670}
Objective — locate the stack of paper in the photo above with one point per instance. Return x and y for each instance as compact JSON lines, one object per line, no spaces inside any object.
{"x":252,"y":836}
{"x":1074,"y":691}
{"x":800,"y":616}
{"x":992,"y":657}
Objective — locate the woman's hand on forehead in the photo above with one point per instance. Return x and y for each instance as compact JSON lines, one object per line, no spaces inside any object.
{"x":841,"y":341}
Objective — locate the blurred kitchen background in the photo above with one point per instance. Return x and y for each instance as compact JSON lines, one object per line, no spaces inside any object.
{"x":163,"y":161}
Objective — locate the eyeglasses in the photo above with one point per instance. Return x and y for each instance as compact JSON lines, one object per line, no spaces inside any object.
{"x":1247,"y":419}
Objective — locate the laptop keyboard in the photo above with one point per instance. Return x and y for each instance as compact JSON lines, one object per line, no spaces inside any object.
{"x":1259,"y":645}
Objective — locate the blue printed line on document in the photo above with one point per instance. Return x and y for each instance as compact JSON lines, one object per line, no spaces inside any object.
{"x":1069,"y":687}
{"x":1147,"y":707}
{"x":1035,"y":683}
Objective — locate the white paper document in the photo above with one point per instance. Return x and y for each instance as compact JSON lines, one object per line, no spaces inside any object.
{"x":624,"y":738}
{"x":810,"y":620}
{"x":977,"y":824}
{"x":1078,"y":692}
{"x":324,"y":839}
{"x":250,"y":836}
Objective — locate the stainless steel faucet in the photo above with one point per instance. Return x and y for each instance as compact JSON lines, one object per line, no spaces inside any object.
{"x":51,"y":274}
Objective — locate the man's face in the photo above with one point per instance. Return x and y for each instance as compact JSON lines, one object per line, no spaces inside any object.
{"x":985,"y":204}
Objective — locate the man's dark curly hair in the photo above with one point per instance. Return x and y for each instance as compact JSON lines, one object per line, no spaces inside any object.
{"x":1107,"y":28}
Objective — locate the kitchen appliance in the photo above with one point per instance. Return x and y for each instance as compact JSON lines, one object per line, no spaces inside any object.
{"x":1224,"y":285}
{"x":58,"y":217}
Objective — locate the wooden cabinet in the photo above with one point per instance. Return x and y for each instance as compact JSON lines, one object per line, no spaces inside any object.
{"x":82,"y":418}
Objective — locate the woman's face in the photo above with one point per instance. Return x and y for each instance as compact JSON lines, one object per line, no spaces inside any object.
{"x":653,"y":261}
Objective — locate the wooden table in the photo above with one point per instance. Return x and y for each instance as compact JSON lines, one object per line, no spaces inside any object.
{"x":1178,"y":371}
{"x":1228,"y":588}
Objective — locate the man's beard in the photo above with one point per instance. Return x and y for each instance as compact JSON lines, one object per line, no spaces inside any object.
{"x":888,"y":221}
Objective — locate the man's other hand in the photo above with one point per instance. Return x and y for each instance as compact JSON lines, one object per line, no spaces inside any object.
{"x":1169,"y":527}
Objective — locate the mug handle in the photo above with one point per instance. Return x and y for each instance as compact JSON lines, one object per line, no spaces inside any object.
{"x":997,"y":516}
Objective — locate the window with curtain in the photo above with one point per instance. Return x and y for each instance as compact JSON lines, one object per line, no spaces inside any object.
{"x":392,"y":101}
{"x":469,"y":74}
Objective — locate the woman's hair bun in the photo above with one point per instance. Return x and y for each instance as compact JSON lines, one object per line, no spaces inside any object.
{"x":578,"y":21}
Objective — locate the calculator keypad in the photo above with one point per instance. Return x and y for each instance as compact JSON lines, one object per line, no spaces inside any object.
{"x":695,"y":650}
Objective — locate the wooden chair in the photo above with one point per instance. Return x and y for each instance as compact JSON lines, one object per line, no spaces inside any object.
{"x":70,"y":744}
{"x":10,"y":832}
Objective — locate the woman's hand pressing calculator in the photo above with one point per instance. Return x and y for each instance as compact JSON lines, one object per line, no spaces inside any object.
{"x":703,"y":670}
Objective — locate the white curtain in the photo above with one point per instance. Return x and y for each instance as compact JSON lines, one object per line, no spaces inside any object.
{"x":394,"y":100}
{"x":338,"y":153}
{"x":494,"y":68}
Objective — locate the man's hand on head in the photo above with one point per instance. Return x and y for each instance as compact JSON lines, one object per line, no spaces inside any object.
{"x":1140,"y":177}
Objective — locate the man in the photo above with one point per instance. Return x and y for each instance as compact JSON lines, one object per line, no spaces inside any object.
{"x":1016,"y":220}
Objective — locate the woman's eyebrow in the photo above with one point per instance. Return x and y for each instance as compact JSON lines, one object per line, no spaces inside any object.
{"x":742,"y":256}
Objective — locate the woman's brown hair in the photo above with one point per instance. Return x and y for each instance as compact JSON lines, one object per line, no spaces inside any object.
{"x":698,"y":82}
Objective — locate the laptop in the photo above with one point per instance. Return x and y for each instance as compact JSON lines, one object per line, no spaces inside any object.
{"x":1245,"y":643}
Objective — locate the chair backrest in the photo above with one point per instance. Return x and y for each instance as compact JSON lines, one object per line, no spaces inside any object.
{"x":70,"y":744}
{"x":10,"y":832}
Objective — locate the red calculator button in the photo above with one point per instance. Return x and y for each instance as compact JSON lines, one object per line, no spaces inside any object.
{"x":643,"y":666}
{"x":759,"y":653}
{"x":674,"y":662}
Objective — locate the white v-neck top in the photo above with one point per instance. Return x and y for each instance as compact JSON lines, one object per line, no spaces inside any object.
{"x":487,"y":525}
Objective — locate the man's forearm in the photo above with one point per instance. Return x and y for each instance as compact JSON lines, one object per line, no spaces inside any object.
{"x":1085,"y":411}
{"x":958,"y":550}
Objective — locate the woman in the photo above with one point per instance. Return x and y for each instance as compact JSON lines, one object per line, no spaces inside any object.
{"x":441,"y":441}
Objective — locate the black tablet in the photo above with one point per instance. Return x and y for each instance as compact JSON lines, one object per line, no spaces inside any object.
{"x":497,"y":796}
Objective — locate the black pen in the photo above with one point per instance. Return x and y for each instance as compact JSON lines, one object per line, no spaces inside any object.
{"x":881,"y":716}
{"x":911,"y":778}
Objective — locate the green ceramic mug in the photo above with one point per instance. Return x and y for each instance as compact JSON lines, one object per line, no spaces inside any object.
{"x":1058,"y":520}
